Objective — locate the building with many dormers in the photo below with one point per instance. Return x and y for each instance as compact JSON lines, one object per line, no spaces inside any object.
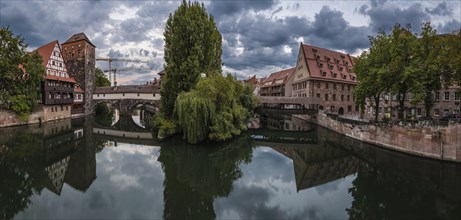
{"x":79,"y":56}
{"x":278,"y":83}
{"x":57,"y":87}
{"x":326,"y":75}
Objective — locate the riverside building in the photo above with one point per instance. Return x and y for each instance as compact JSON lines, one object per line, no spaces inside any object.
{"x":57,"y":88}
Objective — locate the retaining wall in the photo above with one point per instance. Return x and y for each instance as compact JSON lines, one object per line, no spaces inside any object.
{"x":438,"y":142}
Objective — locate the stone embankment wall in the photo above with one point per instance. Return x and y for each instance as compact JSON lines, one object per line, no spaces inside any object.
{"x":9,"y":118}
{"x":438,"y":142}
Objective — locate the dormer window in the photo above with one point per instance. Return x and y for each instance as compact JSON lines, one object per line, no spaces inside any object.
{"x":324,"y":73}
{"x":320,"y":65}
{"x":317,"y":57}
{"x":314,"y":50}
{"x":352,"y":77}
{"x":330,"y":66}
{"x":334,"y":74}
{"x":343,"y":57}
{"x":343,"y":76}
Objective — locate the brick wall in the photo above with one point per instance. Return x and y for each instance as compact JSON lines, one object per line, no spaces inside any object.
{"x":54,"y":112}
{"x":442,"y":143}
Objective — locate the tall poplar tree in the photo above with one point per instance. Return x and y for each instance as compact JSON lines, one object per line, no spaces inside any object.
{"x":192,"y":47}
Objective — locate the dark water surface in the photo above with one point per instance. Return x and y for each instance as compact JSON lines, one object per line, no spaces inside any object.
{"x":80,"y":169}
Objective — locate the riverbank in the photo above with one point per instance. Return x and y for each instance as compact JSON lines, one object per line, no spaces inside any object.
{"x":10,"y":119}
{"x":437,"y":142}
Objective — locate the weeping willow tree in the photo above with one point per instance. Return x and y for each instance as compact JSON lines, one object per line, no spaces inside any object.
{"x":217,"y":108}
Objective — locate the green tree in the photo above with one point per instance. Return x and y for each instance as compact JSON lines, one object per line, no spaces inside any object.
{"x":215,"y":109}
{"x":20,"y":74}
{"x":100,"y":78}
{"x":372,"y":69}
{"x":428,"y":52}
{"x":403,"y":65}
{"x":192,"y":47}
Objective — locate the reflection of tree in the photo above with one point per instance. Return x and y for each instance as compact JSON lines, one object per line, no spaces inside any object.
{"x":18,"y":168}
{"x":380,"y":194}
{"x":196,"y":175}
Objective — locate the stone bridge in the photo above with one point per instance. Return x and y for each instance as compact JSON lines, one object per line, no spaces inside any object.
{"x":125,"y":98}
{"x":287,"y":105}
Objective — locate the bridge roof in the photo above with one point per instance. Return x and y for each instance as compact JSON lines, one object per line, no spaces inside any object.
{"x":151,"y":88}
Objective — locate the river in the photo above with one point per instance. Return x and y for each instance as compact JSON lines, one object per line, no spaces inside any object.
{"x":91,"y":168}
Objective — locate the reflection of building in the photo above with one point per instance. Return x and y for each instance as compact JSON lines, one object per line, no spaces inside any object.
{"x":286,"y":123}
{"x":315,"y":164}
{"x":66,"y":157}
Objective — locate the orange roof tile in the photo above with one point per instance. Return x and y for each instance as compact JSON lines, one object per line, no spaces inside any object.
{"x":283,"y":74}
{"x":329,"y":65}
{"x":45,"y":51}
{"x":64,"y":79}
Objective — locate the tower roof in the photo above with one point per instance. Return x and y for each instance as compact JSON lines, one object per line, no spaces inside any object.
{"x":78,"y":37}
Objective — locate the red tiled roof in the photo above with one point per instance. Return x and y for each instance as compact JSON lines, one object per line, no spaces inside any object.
{"x":53,"y":77}
{"x":252,"y":80}
{"x":320,"y":67}
{"x":283,"y":74}
{"x":77,"y":89}
{"x":45,"y":51}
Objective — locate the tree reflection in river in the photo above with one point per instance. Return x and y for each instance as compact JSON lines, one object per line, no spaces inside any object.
{"x":196,"y":175}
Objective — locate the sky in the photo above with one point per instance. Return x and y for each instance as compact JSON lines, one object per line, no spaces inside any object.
{"x":259,"y":36}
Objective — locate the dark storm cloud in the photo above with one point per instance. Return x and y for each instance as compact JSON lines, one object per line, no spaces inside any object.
{"x":35,"y":22}
{"x":384,"y":16}
{"x":442,"y":9}
{"x":331,"y":30}
{"x":219,"y":8}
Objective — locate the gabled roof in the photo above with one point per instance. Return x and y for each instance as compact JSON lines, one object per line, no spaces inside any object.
{"x":77,"y":87}
{"x":45,"y":51}
{"x":78,"y":37}
{"x":325,"y":64}
{"x":282,"y":74}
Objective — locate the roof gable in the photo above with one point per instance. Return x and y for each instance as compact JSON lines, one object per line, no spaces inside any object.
{"x":280,"y":75}
{"x":45,"y":51}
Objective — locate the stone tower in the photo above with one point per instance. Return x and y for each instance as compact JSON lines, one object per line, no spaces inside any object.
{"x":79,"y":55}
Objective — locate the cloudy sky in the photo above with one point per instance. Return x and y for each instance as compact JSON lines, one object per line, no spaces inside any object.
{"x":259,"y":36}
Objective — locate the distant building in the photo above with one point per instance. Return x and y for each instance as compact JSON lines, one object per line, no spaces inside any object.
{"x":446,"y":101}
{"x":255,"y":83}
{"x":278,"y":83}
{"x":326,"y":75}
{"x":79,"y":56}
{"x":58,"y":87}
{"x":77,"y":107}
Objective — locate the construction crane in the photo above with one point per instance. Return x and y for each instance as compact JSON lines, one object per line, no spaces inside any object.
{"x":110,"y":60}
{"x":115,"y":70}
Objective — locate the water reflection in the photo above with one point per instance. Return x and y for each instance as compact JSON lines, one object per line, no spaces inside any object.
{"x":89,"y":169}
{"x":196,"y":175}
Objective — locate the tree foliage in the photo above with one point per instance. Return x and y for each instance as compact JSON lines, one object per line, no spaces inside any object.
{"x":100,"y":78}
{"x":192,"y":47}
{"x":215,"y":109}
{"x":20,"y":74}
{"x":401,"y":63}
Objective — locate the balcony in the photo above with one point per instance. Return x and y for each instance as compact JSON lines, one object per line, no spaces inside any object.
{"x":59,"y":88}
{"x":58,"y":101}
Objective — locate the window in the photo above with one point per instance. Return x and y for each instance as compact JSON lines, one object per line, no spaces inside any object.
{"x":52,"y":62}
{"x":326,"y":85}
{"x":446,"y":96}
{"x":52,"y":109}
{"x":318,"y":85}
{"x":457,"y":96}
{"x":67,"y":108}
{"x":349,"y":108}
{"x":348,"y":87}
{"x":334,"y":97}
{"x":326,"y":97}
{"x":342,"y":86}
{"x":318,"y":95}
{"x":356,"y":108}
{"x":332,"y":108}
{"x":436,"y":112}
{"x":334,"y":85}
{"x":348,"y":97}
{"x":445,"y":112}
{"x":342,"y":98}
{"x":418,"y":111}
{"x":437,"y":96}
